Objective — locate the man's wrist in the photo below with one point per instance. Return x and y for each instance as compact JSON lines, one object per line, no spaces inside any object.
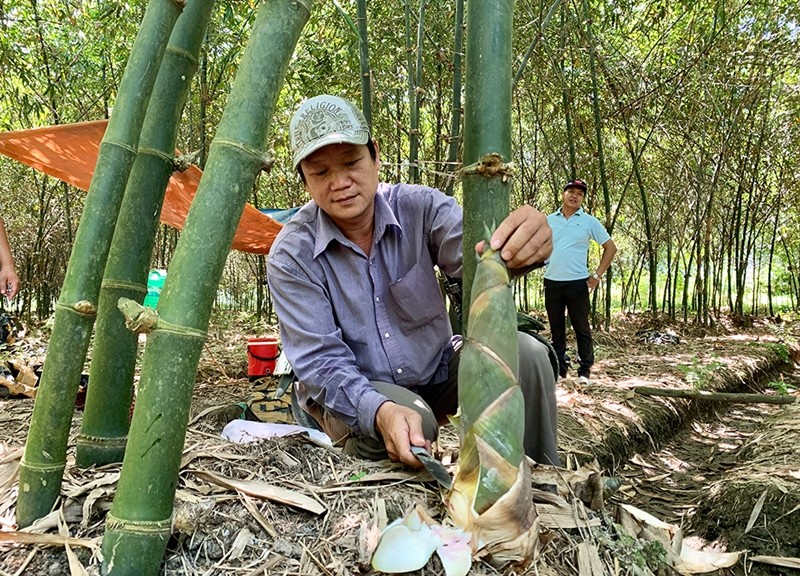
{"x":596,"y":276}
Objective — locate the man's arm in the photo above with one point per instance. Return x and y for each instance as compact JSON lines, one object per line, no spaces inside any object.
{"x":609,"y":251}
{"x":9,"y":281}
{"x":313,"y":344}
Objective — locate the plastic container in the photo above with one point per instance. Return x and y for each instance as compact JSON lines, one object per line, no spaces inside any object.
{"x":262,"y":353}
{"x":155,"y":281}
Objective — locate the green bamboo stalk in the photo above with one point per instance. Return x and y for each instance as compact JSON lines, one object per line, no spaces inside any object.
{"x":486,"y":177}
{"x":137,"y":528}
{"x":44,"y":461}
{"x":490,"y":497}
{"x":104,"y":429}
{"x":455,"y":118}
{"x":363,"y":58}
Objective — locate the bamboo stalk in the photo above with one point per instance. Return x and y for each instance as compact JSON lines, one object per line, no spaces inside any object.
{"x":42,"y":466}
{"x":105,"y":423}
{"x":137,"y":528}
{"x":491,"y":494}
{"x":486,"y":179}
{"x":734,"y":397}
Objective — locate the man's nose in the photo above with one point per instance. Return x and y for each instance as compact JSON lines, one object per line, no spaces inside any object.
{"x":340,"y":179}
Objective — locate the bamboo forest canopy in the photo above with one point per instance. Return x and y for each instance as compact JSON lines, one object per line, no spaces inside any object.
{"x":684,"y":117}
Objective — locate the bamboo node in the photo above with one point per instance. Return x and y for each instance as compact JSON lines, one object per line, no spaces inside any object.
{"x":138,"y":318}
{"x":138,"y":526}
{"x":85,"y":307}
{"x":491,"y":165}
{"x":181,"y":163}
{"x":99,"y":441}
{"x":43,"y":467}
{"x":124,"y":285}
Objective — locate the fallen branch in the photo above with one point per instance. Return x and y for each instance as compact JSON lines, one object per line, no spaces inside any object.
{"x":742,"y":398}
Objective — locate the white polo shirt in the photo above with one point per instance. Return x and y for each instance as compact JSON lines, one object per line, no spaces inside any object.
{"x":571,"y":238}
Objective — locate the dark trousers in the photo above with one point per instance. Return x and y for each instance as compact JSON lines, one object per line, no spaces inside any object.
{"x":436,"y":402}
{"x":571,"y":296}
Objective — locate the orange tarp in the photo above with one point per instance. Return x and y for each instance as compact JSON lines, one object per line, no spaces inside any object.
{"x":69,"y":152}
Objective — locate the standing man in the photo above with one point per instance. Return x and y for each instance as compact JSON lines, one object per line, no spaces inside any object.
{"x":567,"y":281}
{"x":361,"y":315}
{"x":9,"y":281}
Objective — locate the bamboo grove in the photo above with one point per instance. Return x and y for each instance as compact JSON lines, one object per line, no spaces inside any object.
{"x":682,"y":117}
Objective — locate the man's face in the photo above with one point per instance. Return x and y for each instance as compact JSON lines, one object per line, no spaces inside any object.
{"x":573,"y":197}
{"x":343,"y":180}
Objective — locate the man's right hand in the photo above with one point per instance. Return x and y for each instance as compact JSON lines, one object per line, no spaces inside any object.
{"x":400,"y":428}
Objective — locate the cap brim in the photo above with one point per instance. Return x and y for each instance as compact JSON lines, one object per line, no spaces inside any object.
{"x":327,"y":140}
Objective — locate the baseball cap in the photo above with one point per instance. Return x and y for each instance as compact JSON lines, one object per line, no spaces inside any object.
{"x":324,"y":120}
{"x":576,"y":183}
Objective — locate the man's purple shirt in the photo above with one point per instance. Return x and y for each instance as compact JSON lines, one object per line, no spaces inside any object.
{"x":346,"y":318}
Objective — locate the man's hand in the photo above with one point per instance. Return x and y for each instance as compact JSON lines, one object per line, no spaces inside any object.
{"x":9,"y":283}
{"x":524,"y":238}
{"x":400,"y":428}
{"x":592,"y":283}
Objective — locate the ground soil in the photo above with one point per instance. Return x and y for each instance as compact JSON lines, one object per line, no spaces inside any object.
{"x":726,"y":474}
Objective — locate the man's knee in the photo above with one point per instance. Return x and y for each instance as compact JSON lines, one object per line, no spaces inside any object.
{"x":535,"y":362}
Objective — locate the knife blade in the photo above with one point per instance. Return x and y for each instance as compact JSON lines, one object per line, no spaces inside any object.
{"x":434,"y":467}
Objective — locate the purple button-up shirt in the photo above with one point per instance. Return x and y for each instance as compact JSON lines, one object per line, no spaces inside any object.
{"x":347,"y":318}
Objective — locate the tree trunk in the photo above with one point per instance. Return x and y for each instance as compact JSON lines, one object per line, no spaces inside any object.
{"x":45,"y":451}
{"x":137,"y":529}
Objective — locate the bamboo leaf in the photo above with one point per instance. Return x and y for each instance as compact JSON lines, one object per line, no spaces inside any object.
{"x":261,"y":489}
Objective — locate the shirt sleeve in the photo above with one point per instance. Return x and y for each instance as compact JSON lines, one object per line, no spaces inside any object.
{"x":599,"y":233}
{"x":445,"y":231}
{"x":313,"y":343}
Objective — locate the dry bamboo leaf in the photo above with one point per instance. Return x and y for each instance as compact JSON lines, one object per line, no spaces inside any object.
{"x":243,"y":538}
{"x":589,"y":563}
{"x":75,"y":566}
{"x":786,"y":562}
{"x":756,"y":511}
{"x":43,"y":524}
{"x":8,"y":474}
{"x":76,"y":490}
{"x":399,"y":475}
{"x":93,"y":496}
{"x":562,"y":517}
{"x":259,"y":517}
{"x":48,"y":539}
{"x":267,"y":565}
{"x":261,"y":489}
{"x":12,"y":456}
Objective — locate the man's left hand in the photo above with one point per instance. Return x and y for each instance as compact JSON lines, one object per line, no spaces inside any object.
{"x":592,"y":283}
{"x":524,"y":238}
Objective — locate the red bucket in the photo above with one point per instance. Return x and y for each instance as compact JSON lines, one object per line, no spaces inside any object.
{"x":261,"y":356}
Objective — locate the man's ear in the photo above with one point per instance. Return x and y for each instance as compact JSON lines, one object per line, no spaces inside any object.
{"x":377,"y":154}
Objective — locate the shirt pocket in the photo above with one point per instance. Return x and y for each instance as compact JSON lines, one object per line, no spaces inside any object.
{"x":416,"y":297}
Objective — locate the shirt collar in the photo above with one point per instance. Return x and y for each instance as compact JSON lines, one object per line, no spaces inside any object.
{"x":577,"y":212}
{"x":327,"y":231}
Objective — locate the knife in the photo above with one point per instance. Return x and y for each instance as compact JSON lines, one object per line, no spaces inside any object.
{"x":434,"y":467}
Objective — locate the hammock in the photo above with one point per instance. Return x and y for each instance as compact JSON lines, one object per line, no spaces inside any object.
{"x":69,"y":152}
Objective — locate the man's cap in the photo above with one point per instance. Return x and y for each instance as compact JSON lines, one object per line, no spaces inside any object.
{"x":325,"y":120}
{"x":576,"y":183}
